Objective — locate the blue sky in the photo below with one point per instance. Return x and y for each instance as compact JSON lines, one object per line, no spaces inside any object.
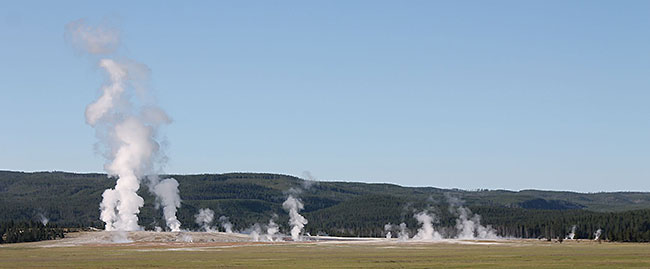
{"x":466,"y":94}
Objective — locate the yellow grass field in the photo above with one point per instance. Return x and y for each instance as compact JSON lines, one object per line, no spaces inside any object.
{"x":330,"y":254}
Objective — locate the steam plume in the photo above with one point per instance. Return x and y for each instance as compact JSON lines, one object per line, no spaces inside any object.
{"x":256,"y":231}
{"x":225,"y":224}
{"x":43,"y":219}
{"x":204,"y":218}
{"x":426,"y":231}
{"x":296,"y":221}
{"x":597,"y":234}
{"x":94,"y":40}
{"x":572,"y":234}
{"x":167,"y":196}
{"x":468,"y":225}
{"x":403,"y":232}
{"x":128,"y":131}
{"x":387,"y":228}
{"x":308,"y":180}
{"x":271,"y":229}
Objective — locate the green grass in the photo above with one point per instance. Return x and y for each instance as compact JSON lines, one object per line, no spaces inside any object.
{"x":527,"y":255}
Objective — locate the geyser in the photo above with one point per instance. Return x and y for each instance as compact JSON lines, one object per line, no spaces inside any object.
{"x":426,"y":231}
{"x":204,"y":219}
{"x":127,"y":130}
{"x":296,"y":221}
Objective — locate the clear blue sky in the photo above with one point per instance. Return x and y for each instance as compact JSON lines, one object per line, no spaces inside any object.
{"x":466,"y":94}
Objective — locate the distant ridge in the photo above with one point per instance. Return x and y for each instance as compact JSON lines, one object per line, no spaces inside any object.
{"x":72,"y":199}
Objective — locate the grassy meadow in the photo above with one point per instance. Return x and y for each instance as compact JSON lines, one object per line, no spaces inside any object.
{"x":522,"y":254}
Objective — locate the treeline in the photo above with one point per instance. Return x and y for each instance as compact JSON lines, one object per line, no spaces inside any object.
{"x":366,"y":217}
{"x":628,"y":226}
{"x":30,"y":231}
{"x":334,"y":208}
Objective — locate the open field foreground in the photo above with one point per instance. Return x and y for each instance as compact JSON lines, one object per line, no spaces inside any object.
{"x":92,"y":250}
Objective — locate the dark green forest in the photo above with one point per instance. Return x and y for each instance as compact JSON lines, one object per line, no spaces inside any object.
{"x":334,"y":208}
{"x":28,"y":231}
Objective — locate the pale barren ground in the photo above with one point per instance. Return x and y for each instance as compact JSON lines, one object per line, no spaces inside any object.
{"x":217,"y":250}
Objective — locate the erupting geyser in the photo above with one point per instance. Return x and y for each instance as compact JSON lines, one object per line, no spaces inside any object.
{"x":127,"y":130}
{"x":426,"y":231}
{"x":296,"y":221}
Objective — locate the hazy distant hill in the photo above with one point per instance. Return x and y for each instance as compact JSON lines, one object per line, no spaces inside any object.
{"x":343,"y":208}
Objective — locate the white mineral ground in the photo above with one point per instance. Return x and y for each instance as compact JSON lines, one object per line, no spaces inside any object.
{"x":201,"y":241}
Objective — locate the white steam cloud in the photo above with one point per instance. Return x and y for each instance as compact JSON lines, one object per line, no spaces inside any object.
{"x":426,"y":232}
{"x":94,"y":40}
{"x":167,"y":196}
{"x":255,"y":232}
{"x":571,"y":234}
{"x":388,"y":228}
{"x":128,"y":130}
{"x":204,"y":218}
{"x":296,"y":221}
{"x":403,"y":232}
{"x":468,"y":225}
{"x":225,"y":224}
{"x":271,"y":229}
{"x":597,"y":234}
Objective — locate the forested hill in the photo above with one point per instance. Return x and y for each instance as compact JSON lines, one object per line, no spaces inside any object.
{"x":337,"y":208}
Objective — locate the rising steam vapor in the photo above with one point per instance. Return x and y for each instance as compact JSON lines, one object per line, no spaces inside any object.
{"x":426,"y":231}
{"x":296,"y":221}
{"x":403,"y":232}
{"x":468,"y":225}
{"x":308,"y":180}
{"x":128,"y":131}
{"x":94,"y":40}
{"x":43,"y":219}
{"x":225,"y":224}
{"x":271,"y":229}
{"x":167,"y":195}
{"x":255,"y":232}
{"x":572,"y":234}
{"x":204,"y":218}
{"x":597,"y":234}
{"x":388,"y":228}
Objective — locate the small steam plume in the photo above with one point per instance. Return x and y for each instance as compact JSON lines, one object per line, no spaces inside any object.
{"x":296,"y":221}
{"x":597,"y":234}
{"x":468,"y":225}
{"x":403,"y":232}
{"x":271,"y":229}
{"x":572,"y":234}
{"x":308,"y":180}
{"x":426,"y":231}
{"x":204,"y":218}
{"x":225,"y":224}
{"x":388,"y":228}
{"x":43,"y":219}
{"x":128,"y":131}
{"x":255,"y":232}
{"x":167,"y":196}
{"x":293,"y":205}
